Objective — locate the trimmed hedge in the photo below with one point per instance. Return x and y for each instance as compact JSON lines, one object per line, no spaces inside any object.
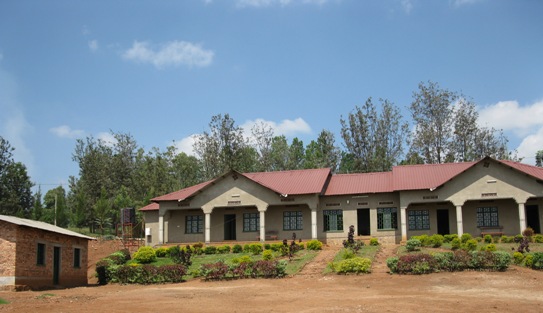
{"x":353,"y":265}
{"x":263,"y":268}
{"x":314,"y":244}
{"x":147,"y":274}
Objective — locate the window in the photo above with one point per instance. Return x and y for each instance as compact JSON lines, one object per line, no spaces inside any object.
{"x":77,"y":257}
{"x":387,"y":218}
{"x":251,"y":222}
{"x":333,"y":220}
{"x":194,"y":224}
{"x":487,"y":217}
{"x":293,"y":220}
{"x":40,"y":255}
{"x":418,"y":219}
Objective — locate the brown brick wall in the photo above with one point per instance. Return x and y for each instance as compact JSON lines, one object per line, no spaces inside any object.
{"x":8,"y":233}
{"x":35,"y":276}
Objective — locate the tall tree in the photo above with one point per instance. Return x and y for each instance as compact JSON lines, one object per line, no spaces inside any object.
{"x":374,"y":141}
{"x":262,"y":135}
{"x":296,"y":155}
{"x":539,"y":158}
{"x":219,"y":149}
{"x":15,"y":194}
{"x":432,"y":114}
{"x":37,"y":210}
{"x":56,"y":211}
{"x":323,"y":152}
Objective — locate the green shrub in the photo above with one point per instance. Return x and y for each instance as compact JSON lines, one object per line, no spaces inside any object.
{"x":102,"y":271}
{"x":456,"y":243}
{"x":247,"y":248}
{"x":314,"y":244}
{"x":465,"y":237}
{"x":436,"y":240}
{"x":420,"y":263}
{"x":529,"y":260}
{"x":242,"y":259}
{"x":210,"y":250}
{"x":145,"y":255}
{"x":501,"y":260}
{"x":392,"y":264}
{"x":537,"y":260}
{"x":490,"y":247}
{"x":148,"y":274}
{"x":424,"y":240}
{"x":448,"y":238}
{"x":255,"y":248}
{"x":445,"y":261}
{"x":267,"y":246}
{"x":237,"y":248}
{"x":353,"y":265}
{"x":488,"y":239}
{"x":470,"y":245}
{"x":224,"y":249}
{"x":118,"y":258}
{"x":374,"y":242}
{"x":267,"y":255}
{"x":301,"y":246}
{"x":518,"y":238}
{"x":538,"y":238}
{"x":161,"y":252}
{"x":478,"y":239}
{"x":412,"y":245}
{"x":276,"y":247}
{"x":347,"y":254}
{"x":518,"y":257}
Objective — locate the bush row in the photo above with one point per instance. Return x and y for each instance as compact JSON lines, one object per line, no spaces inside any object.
{"x":449,"y":261}
{"x":146,"y":274}
{"x":245,"y":269}
{"x":532,"y":260}
{"x":114,"y":259}
{"x":352,"y":265}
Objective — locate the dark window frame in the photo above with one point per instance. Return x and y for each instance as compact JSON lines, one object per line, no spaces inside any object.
{"x":251,"y":222}
{"x":418,"y":219}
{"x":40,"y":254}
{"x":293,"y":220}
{"x":387,"y":218}
{"x":328,"y":218}
{"x":77,"y":257}
{"x":194,"y":224}
{"x":488,"y":217}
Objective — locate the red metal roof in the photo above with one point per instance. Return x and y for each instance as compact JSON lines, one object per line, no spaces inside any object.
{"x":153,"y":206}
{"x":183,"y":193}
{"x":426,"y":176}
{"x":531,"y":170}
{"x":296,"y":182}
{"x":345,"y":184}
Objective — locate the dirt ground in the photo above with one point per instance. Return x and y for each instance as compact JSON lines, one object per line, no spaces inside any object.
{"x":517,"y":289}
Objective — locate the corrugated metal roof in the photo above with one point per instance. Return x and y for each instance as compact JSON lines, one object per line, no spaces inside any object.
{"x":426,"y":176}
{"x":350,"y":184}
{"x":531,"y":170}
{"x":183,"y":193}
{"x":42,"y":226}
{"x":153,"y":206}
{"x":296,"y":182}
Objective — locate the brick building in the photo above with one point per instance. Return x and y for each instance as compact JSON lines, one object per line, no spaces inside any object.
{"x":38,"y":255}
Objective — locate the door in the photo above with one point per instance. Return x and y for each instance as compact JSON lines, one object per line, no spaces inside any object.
{"x":56,"y":265}
{"x":443,"y":222}
{"x":532,"y":218}
{"x":363,"y":221}
{"x":230,"y":227}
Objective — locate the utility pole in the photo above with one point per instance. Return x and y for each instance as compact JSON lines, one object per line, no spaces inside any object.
{"x":55,"y":209}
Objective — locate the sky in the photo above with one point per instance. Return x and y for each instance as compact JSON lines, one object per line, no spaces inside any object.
{"x":160,"y":70}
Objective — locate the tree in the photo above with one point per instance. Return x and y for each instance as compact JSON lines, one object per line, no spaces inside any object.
{"x":15,"y":185}
{"x":374,"y":141}
{"x":219,"y":149}
{"x":262,"y":135}
{"x":296,"y":155}
{"x":56,"y":211}
{"x":103,"y":212}
{"x":323,"y":152}
{"x":37,"y":210}
{"x":539,"y":158}
{"x":433,"y":115}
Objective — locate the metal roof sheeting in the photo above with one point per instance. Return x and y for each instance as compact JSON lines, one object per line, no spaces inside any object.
{"x":297,"y":182}
{"x":531,"y":170}
{"x":150,"y":207}
{"x":42,"y":226}
{"x":345,"y":184}
{"x":183,"y":193}
{"x":426,"y":176}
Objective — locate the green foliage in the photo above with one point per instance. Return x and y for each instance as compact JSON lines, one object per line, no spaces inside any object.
{"x":374,"y":242}
{"x":392,"y":264}
{"x":224,"y":249}
{"x":436,"y":240}
{"x":148,"y":274}
{"x":507,"y":239}
{"x":314,"y":244}
{"x":2,"y":301}
{"x":529,"y":260}
{"x":242,"y":259}
{"x":412,"y":245}
{"x":247,"y":248}
{"x":465,"y":237}
{"x":347,"y":254}
{"x":267,"y":255}
{"x":537,"y":260}
{"x":237,"y":248}
{"x":267,"y":246}
{"x":488,"y":239}
{"x":255,"y":248}
{"x":263,"y":268}
{"x":161,"y":252}
{"x":416,"y":264}
{"x":210,"y":250}
{"x":456,"y":244}
{"x":424,"y":240}
{"x":448,"y":238}
{"x":518,"y":257}
{"x":470,"y":245}
{"x":276,"y":247}
{"x":538,"y":238}
{"x":145,"y":255}
{"x":490,"y":247}
{"x":353,"y":265}
{"x":518,"y":238}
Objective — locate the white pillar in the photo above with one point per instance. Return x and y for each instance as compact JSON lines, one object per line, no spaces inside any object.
{"x":522,"y":217}
{"x":313,"y":223}
{"x":160,"y":229}
{"x":262,"y":225}
{"x":207,"y":225}
{"x":403,"y":219}
{"x":459,"y":223}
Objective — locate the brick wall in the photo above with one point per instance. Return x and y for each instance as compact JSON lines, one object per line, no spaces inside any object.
{"x":7,"y":254}
{"x":24,"y":259}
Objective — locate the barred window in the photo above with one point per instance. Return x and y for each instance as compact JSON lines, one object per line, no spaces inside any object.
{"x":333,"y":220}
{"x":487,"y":217}
{"x":387,"y":218}
{"x":251,"y":222}
{"x":194,"y":224}
{"x":77,"y":257}
{"x":40,"y":254}
{"x":293,"y":220}
{"x":418,"y":219}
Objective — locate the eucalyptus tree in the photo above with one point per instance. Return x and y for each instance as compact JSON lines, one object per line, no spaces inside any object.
{"x":15,"y":185}
{"x":323,"y":153}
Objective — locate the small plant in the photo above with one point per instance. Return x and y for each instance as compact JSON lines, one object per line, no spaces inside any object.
{"x":465,"y":237}
{"x":437,"y":240}
{"x":448,"y":238}
{"x":518,"y":257}
{"x":161,"y":252}
{"x":528,"y":232}
{"x":225,"y":249}
{"x":181,"y":256}
{"x":488,"y":239}
{"x":490,"y":247}
{"x":267,"y":255}
{"x":314,"y":245}
{"x":267,"y":246}
{"x":237,"y":248}
{"x":456,"y":244}
{"x":392,"y":264}
{"x":524,"y":241}
{"x":374,"y":242}
{"x":538,"y":238}
{"x":529,"y":260}
{"x":145,"y":255}
{"x":350,"y":243}
{"x":353,"y":265}
{"x":413,"y":245}
{"x":537,"y":261}
{"x":210,"y":250}
{"x":255,"y":248}
{"x":470,"y":245}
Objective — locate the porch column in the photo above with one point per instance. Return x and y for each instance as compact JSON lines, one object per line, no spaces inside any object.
{"x":207,"y":225}
{"x":313,"y":223}
{"x":262,"y":213}
{"x":459,"y":223}
{"x":522,"y":217}
{"x":403,"y":220}
{"x":160,"y":229}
